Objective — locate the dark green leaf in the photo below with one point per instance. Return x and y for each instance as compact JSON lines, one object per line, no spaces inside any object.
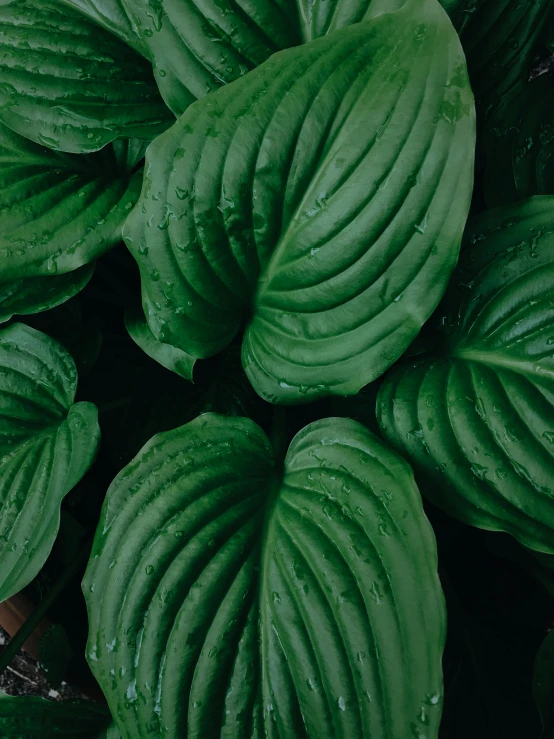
{"x":320,"y":199}
{"x":55,"y":654}
{"x":69,"y":85}
{"x":46,"y":445}
{"x":519,"y":144}
{"x":229,"y":600}
{"x":36,"y":718}
{"x":37,"y":294}
{"x":477,"y":418}
{"x":58,"y":213}
{"x":543,"y":685}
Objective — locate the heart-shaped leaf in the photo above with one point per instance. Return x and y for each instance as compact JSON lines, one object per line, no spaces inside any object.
{"x":46,"y":445}
{"x":35,"y":718}
{"x":229,"y":599}
{"x":37,"y":294}
{"x":477,"y":417}
{"x":68,"y":84}
{"x":58,"y":213}
{"x":321,"y":200}
{"x":519,"y":144}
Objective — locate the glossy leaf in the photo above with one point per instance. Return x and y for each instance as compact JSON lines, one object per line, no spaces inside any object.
{"x":519,"y":144}
{"x":171,"y":357}
{"x":228,"y":600}
{"x":58,"y":213}
{"x":35,"y":718}
{"x":477,"y":418}
{"x":37,"y":294}
{"x":47,"y":444}
{"x":499,"y":38}
{"x":320,"y":200}
{"x":543,"y":685}
{"x":69,"y":85}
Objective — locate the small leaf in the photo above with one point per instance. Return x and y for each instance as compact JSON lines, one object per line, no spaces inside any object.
{"x":35,"y":718}
{"x":320,"y":201}
{"x":69,"y":85}
{"x":55,"y":654}
{"x":519,"y":143}
{"x":59,"y":212}
{"x":37,"y":294}
{"x":543,"y":685}
{"x":47,"y":444}
{"x":477,"y":417}
{"x":228,"y":599}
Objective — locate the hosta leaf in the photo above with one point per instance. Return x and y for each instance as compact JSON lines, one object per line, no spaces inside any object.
{"x":111,"y":15}
{"x":543,"y":685}
{"x":477,"y":419}
{"x":172,"y":357}
{"x":36,"y":294}
{"x":58,"y":213}
{"x":320,"y":200}
{"x":35,"y":718}
{"x":520,"y":144}
{"x":229,"y":600}
{"x":47,"y":444}
{"x":69,"y":85}
{"x":499,"y":38}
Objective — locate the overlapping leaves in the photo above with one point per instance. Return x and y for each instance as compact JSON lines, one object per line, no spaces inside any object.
{"x":228,"y":599}
{"x":320,"y":200}
{"x":476,"y":418}
{"x":46,"y":445}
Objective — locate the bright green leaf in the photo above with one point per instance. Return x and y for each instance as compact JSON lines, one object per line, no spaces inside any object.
{"x":35,"y":718}
{"x":321,"y":200}
{"x":47,"y":443}
{"x":543,"y":685}
{"x":477,"y":417}
{"x":58,"y":213}
{"x":171,"y":357}
{"x":69,"y":85}
{"x":37,"y":294}
{"x":519,"y":144}
{"x":229,"y":599}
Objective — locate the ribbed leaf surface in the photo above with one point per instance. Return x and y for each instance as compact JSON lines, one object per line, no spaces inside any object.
{"x":226,"y":600}
{"x":477,"y":419}
{"x":68,"y":84}
{"x":46,"y":446}
{"x":58,"y":212}
{"x":321,"y":200}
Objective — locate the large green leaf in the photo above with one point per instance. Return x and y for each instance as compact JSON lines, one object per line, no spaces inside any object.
{"x":499,"y":38}
{"x":320,"y":200}
{"x":519,"y":144}
{"x":36,"y":294}
{"x":58,"y":213}
{"x":229,"y":599}
{"x":36,"y":718}
{"x":47,"y":443}
{"x":477,"y":417}
{"x":543,"y":685}
{"x":69,"y":85}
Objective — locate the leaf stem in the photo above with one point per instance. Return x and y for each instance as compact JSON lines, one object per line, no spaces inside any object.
{"x":25,"y":631}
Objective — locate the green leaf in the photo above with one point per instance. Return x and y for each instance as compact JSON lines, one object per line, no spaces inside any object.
{"x":519,"y":144}
{"x":47,"y":443}
{"x":171,"y":357}
{"x":228,"y":599}
{"x":36,"y":718}
{"x":37,"y":294}
{"x":499,"y":39}
{"x":69,"y":85}
{"x":543,"y":685}
{"x":55,"y":654}
{"x":59,"y":212}
{"x":112,"y":16}
{"x":477,"y":418}
{"x":320,"y":200}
